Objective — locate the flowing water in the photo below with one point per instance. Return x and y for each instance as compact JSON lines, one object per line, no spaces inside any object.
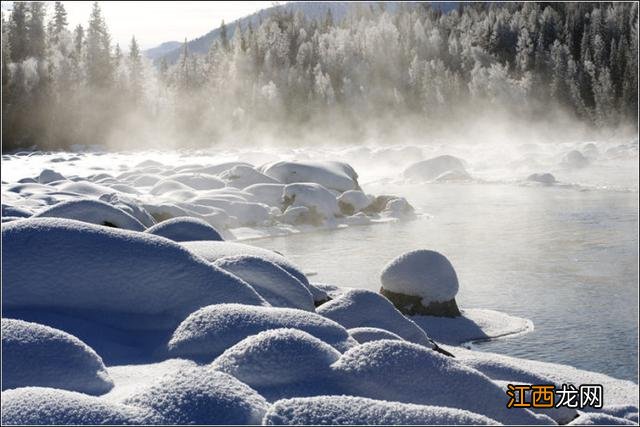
{"x":566,"y":259}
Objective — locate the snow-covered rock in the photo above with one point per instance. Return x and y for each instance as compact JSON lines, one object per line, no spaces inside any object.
{"x":197,"y":181}
{"x":206,"y":333}
{"x":212,"y":251}
{"x":353,"y":201}
{"x":270,"y":194}
{"x":93,"y":212}
{"x":421,"y":282}
{"x":350,"y":410}
{"x":427,"y":170}
{"x":130,"y":206}
{"x":456,"y":175}
{"x":271,"y":281}
{"x":167,"y":186}
{"x":398,"y":207}
{"x":363,"y":308}
{"x":278,"y":357}
{"x":595,"y":419}
{"x":200,"y":395}
{"x":183,"y":229}
{"x":321,"y":203}
{"x":405,"y":372}
{"x":83,"y":188}
{"x":15,"y":211}
{"x":574,"y":159}
{"x":367,"y":334}
{"x":332,"y":175}
{"x":543,"y":178}
{"x":48,"y":175}
{"x":297,"y":215}
{"x":37,"y":355}
{"x":49,"y":406}
{"x":242,"y":176}
{"x":142,"y":281}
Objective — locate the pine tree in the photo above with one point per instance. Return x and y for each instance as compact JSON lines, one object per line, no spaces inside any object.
{"x":135,"y":69}
{"x":59,"y":22}
{"x":36,"y":31}
{"x":98,"y":56}
{"x":18,"y":39}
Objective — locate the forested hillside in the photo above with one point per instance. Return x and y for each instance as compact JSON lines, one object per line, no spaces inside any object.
{"x":62,"y":86}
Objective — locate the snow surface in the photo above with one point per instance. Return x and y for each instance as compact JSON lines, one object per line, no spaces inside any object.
{"x":200,"y":395}
{"x":183,"y":229}
{"x":349,"y":410}
{"x":37,"y":355}
{"x":360,"y":307}
{"x":424,"y":273}
{"x":127,"y":279}
{"x":206,"y":333}
{"x":271,"y":281}
{"x":320,"y":201}
{"x":38,"y":405}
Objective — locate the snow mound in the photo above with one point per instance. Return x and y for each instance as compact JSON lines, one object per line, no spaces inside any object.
{"x":353,"y":201}
{"x":201,"y":396}
{"x":398,"y":208}
{"x":453,"y":176}
{"x":212,"y":251}
{"x":182,"y":229}
{"x":48,"y":406}
{"x":208,"y":332}
{"x":368,"y":334}
{"x":427,"y":170}
{"x":271,"y":281}
{"x":349,"y":410}
{"x":242,"y":176}
{"x":595,"y":419}
{"x":422,"y":273}
{"x":277,"y":357}
{"x":84,"y":188}
{"x":93,"y":212}
{"x":320,"y":201}
{"x":361,"y":307}
{"x":270,"y":194}
{"x":37,"y":355}
{"x":333,"y":175}
{"x":167,"y":186}
{"x":128,"y":205}
{"x":131,"y":280}
{"x":405,"y":372}
{"x":48,"y":175}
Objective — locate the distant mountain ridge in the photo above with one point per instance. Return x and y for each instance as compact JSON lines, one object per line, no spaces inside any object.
{"x":312,"y":10}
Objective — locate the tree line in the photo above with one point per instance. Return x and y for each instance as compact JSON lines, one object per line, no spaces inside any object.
{"x":63,"y":86}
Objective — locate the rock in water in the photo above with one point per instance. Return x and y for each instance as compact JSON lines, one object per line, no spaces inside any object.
{"x":543,"y":178}
{"x":427,"y":170}
{"x":421,"y":282}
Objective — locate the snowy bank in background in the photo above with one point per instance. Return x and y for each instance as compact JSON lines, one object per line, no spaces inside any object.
{"x":276,"y":198}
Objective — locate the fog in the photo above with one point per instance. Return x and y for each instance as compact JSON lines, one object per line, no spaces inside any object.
{"x":513,"y":74}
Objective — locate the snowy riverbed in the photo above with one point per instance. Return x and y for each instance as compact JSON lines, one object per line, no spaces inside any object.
{"x":126,"y":306}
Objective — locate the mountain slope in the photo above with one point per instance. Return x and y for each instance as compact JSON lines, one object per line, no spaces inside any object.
{"x":311,"y":10}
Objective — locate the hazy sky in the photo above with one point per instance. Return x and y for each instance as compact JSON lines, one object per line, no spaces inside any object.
{"x":155,"y":22}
